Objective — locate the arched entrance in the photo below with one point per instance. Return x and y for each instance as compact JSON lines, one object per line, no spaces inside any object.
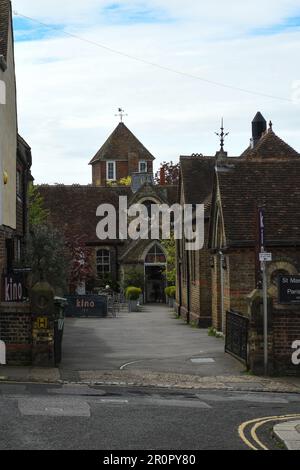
{"x":155,"y":278}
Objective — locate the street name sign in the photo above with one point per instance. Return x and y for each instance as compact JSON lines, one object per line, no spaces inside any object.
{"x":289,"y":290}
{"x":265,"y":257}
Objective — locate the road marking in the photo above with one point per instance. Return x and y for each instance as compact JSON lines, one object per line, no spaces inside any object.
{"x":128,"y":364}
{"x":114,"y":401}
{"x":202,"y":360}
{"x":256,"y":424}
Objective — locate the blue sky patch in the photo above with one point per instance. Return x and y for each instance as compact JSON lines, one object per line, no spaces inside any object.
{"x":116,"y":13}
{"x":26,"y":30}
{"x":288,"y":25}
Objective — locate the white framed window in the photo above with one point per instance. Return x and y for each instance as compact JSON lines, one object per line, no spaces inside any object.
{"x":142,"y":166}
{"x":111,"y":171}
{"x":103,"y":262}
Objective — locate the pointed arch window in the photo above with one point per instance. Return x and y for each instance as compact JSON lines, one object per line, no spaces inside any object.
{"x":155,"y":255}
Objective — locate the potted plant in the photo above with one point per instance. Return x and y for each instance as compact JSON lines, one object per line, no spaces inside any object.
{"x":133,"y":295}
{"x":170,"y":294}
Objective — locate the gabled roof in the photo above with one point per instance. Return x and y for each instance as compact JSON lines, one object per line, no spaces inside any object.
{"x":271,"y":147}
{"x":119,"y":144}
{"x":197,"y":175}
{"x":249,"y":184}
{"x":5,"y":18}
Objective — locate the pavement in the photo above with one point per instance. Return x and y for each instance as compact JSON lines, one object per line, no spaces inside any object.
{"x":144,"y":349}
{"x":289,"y":433}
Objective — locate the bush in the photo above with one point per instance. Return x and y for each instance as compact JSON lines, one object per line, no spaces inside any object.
{"x":170,"y":292}
{"x":133,"y":293}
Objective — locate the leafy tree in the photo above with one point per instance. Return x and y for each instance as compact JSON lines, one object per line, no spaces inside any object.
{"x":37,"y":215}
{"x":134,"y":276}
{"x":168,"y":174}
{"x":122,"y":182}
{"x":80,"y":270}
{"x":45,"y":248}
{"x":46,"y":255}
{"x":170,"y":248}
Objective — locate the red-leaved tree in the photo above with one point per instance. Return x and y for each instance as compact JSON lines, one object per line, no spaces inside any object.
{"x":168,"y":174}
{"x":81,"y":269}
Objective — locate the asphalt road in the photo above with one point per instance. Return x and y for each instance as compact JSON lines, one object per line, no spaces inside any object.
{"x":56,"y":417}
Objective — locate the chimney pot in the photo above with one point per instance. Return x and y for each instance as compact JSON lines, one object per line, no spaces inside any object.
{"x":259,"y":127}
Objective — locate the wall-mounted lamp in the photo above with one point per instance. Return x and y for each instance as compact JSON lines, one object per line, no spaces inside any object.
{"x":5,"y":177}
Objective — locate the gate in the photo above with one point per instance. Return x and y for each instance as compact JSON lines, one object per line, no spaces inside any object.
{"x":236,"y":342}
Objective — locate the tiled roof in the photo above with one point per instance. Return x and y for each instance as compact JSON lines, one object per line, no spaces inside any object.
{"x":73,"y":208}
{"x":270,"y":147}
{"x":5,"y":8}
{"x":197,"y":175}
{"x":119,"y":144}
{"x":249,"y":184}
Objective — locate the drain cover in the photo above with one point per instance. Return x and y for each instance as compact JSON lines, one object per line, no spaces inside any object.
{"x":202,"y":360}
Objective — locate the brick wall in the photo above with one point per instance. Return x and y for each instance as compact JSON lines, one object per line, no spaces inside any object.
{"x":216,"y":294}
{"x":286,"y":330}
{"x":16,"y":332}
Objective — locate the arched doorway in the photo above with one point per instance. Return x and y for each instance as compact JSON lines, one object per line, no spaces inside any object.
{"x":155,"y":278}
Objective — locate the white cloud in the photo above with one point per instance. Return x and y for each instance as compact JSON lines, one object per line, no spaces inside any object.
{"x":68,"y":91}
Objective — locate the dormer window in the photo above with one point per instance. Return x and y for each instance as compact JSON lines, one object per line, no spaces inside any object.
{"x":111,"y":171}
{"x":142,"y":166}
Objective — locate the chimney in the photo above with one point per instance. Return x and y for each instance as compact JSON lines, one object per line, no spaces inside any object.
{"x":259,"y":127}
{"x":162,"y":177}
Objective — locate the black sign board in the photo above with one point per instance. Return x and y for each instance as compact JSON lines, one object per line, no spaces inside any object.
{"x":86,"y":306}
{"x":14,"y":287}
{"x":289,"y":290}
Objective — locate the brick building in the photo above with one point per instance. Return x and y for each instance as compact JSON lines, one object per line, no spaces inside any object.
{"x":219,"y":277}
{"x":120,"y":156}
{"x":73,"y":210}
{"x":267,"y":175}
{"x":193,"y":268}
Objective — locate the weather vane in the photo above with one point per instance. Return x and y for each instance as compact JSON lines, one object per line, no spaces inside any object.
{"x":222,"y":135}
{"x":121,"y":114}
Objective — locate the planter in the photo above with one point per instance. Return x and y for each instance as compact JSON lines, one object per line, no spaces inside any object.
{"x":133,"y":306}
{"x":171,"y":302}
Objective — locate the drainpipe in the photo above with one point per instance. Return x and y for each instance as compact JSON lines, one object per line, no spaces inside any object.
{"x":188,"y":286}
{"x":222,"y":290}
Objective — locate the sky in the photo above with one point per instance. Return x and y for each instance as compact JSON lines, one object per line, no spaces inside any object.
{"x":70,"y":90}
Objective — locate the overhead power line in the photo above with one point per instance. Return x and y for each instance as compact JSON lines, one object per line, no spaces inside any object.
{"x":153,"y":64}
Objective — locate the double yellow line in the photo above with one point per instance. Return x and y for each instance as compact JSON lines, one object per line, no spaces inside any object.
{"x":253,"y":426}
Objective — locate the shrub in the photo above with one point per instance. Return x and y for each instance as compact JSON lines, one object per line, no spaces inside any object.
{"x":170,"y":292}
{"x":133,"y":293}
{"x":167,"y":291}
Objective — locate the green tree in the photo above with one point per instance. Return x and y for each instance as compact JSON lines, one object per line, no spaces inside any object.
{"x":134,"y":276}
{"x":47,"y":257}
{"x":170,"y":248}
{"x":45,"y":247}
{"x":37,"y":214}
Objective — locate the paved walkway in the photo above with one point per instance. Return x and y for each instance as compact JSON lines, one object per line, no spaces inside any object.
{"x":147,"y":348}
{"x":152,"y":340}
{"x":289,"y":433}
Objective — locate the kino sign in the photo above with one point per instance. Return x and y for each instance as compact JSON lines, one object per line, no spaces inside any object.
{"x":13,"y":289}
